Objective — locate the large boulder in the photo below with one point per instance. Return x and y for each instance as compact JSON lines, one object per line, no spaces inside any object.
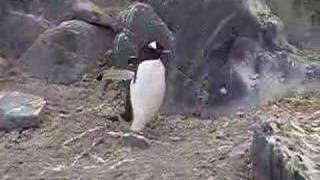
{"x":22,"y":21}
{"x":19,"y":110}
{"x":286,"y":150}
{"x":62,"y":54}
{"x":18,"y":31}
{"x":217,"y":47}
{"x":90,"y":12}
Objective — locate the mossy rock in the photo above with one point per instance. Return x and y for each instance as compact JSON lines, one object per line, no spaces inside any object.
{"x":287,"y":150}
{"x":142,"y":24}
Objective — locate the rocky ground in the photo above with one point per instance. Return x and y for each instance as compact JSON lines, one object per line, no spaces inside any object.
{"x":181,"y":147}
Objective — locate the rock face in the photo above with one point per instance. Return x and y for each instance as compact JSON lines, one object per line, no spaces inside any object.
{"x":62,"y":54}
{"x":18,"y":31}
{"x":301,"y":20}
{"x":18,"y":110}
{"x":218,"y":47}
{"x":287,"y":151}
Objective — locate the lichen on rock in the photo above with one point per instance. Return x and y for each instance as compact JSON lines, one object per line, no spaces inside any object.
{"x":287,"y":150}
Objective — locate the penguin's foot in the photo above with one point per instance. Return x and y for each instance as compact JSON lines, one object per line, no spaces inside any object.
{"x":136,"y":132}
{"x":197,"y":111}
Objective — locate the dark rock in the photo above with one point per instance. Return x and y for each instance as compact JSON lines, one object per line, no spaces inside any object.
{"x":18,"y":31}
{"x":286,"y":151}
{"x":141,"y":24}
{"x":62,"y":54}
{"x":242,"y":56}
{"x":18,"y":110}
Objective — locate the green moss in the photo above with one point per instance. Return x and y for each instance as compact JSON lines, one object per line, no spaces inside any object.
{"x":262,"y":11}
{"x":309,"y":55}
{"x":299,"y":143}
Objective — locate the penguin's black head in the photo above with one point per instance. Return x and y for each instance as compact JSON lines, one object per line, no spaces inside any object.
{"x":150,"y":51}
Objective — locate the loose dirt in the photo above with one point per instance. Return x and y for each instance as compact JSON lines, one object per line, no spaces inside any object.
{"x":183,"y":147}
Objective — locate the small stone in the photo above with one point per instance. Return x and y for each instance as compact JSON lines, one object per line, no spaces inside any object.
{"x":255,"y":76}
{"x":18,"y":110}
{"x":240,"y":114}
{"x":135,"y":140}
{"x":175,"y":138}
{"x":317,"y":113}
{"x":223,"y":91}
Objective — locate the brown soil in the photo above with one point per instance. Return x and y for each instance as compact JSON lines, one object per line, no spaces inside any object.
{"x":183,"y":148}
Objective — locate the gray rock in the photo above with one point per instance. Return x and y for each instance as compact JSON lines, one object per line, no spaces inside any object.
{"x":311,"y":39}
{"x":61,"y":10}
{"x":301,"y":20}
{"x":286,"y":151}
{"x":54,"y":11}
{"x":18,"y":110}
{"x":136,"y":141}
{"x":88,"y":11}
{"x":312,"y":72}
{"x":62,"y":54}
{"x":117,"y":75}
{"x":18,"y":31}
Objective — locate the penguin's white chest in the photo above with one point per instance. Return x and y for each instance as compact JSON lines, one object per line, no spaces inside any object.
{"x":147,"y":92}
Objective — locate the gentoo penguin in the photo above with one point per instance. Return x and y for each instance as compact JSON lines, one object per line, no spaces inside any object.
{"x":147,"y":88}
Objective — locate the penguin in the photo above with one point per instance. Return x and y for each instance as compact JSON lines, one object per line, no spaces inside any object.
{"x":147,"y":87}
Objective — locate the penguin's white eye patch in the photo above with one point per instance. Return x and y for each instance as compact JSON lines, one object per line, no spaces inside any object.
{"x":152,"y":45}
